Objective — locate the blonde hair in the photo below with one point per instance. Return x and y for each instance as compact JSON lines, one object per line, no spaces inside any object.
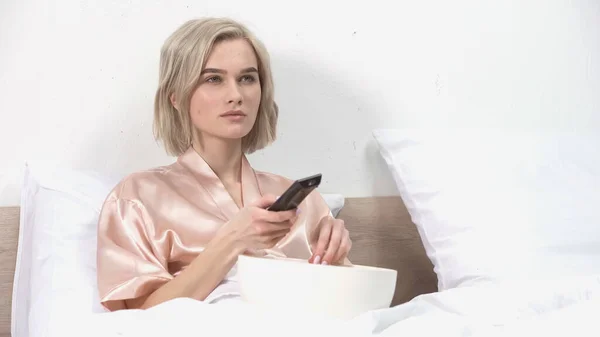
{"x":183,"y":56}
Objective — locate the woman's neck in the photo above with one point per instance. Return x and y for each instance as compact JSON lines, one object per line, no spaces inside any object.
{"x":224,"y":156}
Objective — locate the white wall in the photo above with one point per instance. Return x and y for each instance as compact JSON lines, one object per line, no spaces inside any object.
{"x":77,"y":77}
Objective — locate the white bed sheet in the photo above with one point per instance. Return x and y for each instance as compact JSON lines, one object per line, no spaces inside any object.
{"x":537,"y":308}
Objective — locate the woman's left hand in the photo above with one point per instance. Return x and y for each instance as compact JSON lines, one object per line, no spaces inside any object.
{"x":332,"y":242}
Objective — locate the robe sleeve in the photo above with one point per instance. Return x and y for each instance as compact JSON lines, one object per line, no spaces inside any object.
{"x":127,"y":263}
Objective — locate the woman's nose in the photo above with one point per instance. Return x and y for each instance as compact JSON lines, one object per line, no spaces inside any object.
{"x":234,"y":94}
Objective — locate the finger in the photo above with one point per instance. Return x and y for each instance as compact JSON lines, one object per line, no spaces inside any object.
{"x":280,"y":234}
{"x":268,"y":229}
{"x":271,"y":243}
{"x":285,"y":225}
{"x":334,"y":243}
{"x":266,"y":201}
{"x":278,"y":216}
{"x":324,"y":236}
{"x":272,"y":240}
{"x":344,"y":249}
{"x":259,"y":214}
{"x":274,"y":235}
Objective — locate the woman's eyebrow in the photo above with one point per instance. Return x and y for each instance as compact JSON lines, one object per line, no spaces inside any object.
{"x":221,"y":71}
{"x":212,"y":70}
{"x":249,"y":70}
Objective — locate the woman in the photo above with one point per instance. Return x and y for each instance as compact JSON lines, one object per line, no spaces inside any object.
{"x":176,"y":231}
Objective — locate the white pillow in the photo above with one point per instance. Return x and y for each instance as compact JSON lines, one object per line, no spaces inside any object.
{"x":55,"y":275}
{"x":492,"y":204}
{"x":335,"y":202}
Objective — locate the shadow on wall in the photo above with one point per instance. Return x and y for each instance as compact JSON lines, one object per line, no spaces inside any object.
{"x":325,"y":125}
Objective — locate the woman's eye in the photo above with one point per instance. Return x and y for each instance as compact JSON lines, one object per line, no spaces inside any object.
{"x":213,"y":79}
{"x":248,"y":78}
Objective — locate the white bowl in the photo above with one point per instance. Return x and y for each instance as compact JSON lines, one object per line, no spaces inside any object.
{"x":298,"y":286}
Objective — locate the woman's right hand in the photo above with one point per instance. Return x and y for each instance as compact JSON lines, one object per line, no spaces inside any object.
{"x":254,"y":227}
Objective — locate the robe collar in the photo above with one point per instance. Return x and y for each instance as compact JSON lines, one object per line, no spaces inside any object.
{"x":211,"y":183}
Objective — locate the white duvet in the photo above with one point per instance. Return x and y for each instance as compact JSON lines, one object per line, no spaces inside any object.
{"x":534,"y":308}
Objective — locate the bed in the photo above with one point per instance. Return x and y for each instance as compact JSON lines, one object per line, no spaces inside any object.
{"x":493,"y":233}
{"x":382,"y":233}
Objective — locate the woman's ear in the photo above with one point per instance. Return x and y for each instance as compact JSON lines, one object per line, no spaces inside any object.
{"x":174,"y":102}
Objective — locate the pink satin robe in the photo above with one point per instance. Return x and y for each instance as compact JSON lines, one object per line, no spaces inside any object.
{"x":155,"y":222}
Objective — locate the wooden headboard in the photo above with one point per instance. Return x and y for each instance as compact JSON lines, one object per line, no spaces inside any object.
{"x":380,"y":227}
{"x":383,"y":235}
{"x":9,"y":235}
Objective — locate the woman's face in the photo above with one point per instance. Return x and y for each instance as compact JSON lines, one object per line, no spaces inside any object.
{"x":225,"y":103}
